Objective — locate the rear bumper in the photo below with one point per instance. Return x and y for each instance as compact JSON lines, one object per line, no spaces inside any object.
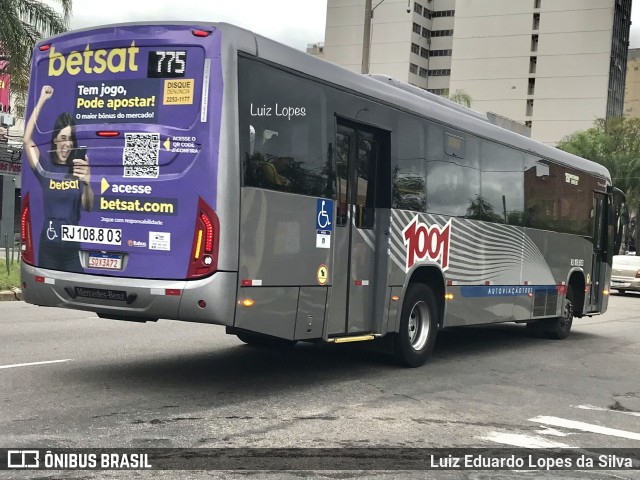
{"x":147,"y":299}
{"x":625,"y":283}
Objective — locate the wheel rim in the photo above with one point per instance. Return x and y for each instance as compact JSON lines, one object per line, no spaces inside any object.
{"x":419,"y":324}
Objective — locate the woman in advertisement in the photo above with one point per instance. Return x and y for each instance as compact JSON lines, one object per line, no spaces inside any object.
{"x":64,"y":176}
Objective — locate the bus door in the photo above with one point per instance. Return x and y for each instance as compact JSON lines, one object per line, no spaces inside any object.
{"x":596,"y":279}
{"x":361,"y":160}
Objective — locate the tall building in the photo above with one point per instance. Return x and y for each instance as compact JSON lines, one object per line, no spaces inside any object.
{"x":410,"y":40}
{"x":554,"y":65}
{"x":632,"y":85}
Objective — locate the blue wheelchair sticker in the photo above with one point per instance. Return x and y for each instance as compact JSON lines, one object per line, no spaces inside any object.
{"x":324,"y":215}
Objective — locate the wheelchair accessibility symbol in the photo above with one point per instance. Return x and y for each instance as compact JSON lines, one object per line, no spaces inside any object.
{"x":324,"y":215}
{"x":51,"y":232}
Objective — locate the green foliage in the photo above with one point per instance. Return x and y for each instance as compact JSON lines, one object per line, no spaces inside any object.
{"x":22,"y":24}
{"x":12,"y":279}
{"x":615,"y":144}
{"x":461,"y":97}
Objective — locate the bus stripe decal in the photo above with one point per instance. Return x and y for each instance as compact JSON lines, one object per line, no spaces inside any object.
{"x":479,"y":251}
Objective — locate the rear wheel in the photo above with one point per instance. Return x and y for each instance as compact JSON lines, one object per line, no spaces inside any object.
{"x":414,"y":342}
{"x":255,"y":339}
{"x":622,"y":292}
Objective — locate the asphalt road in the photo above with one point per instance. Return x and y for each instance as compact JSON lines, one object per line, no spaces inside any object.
{"x":173,"y":384}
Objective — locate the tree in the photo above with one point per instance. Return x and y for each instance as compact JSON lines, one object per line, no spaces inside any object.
{"x":22,"y":24}
{"x":461,"y":97}
{"x":615,"y":144}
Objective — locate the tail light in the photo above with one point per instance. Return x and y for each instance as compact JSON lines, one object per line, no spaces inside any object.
{"x":638,"y":274}
{"x":204,"y":251}
{"x":26,"y":233}
{"x":201,"y":33}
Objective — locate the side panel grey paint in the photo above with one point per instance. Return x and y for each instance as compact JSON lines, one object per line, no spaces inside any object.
{"x":394,"y":310}
{"x":496,"y":272}
{"x":274,"y":311}
{"x":311,"y":312}
{"x":229,"y":162}
{"x":278,"y":240}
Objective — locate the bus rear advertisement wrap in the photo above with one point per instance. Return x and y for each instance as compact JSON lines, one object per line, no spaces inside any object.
{"x":121,"y":148}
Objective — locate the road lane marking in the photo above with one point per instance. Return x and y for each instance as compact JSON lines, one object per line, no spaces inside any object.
{"x":552,"y":431}
{"x":524,"y":441}
{"x":585,"y":427}
{"x":34,"y":363}
{"x":601,"y":409}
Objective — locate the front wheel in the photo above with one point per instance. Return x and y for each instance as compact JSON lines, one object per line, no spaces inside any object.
{"x":414,"y":342}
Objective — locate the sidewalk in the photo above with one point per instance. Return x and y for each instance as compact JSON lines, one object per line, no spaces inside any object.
{"x":9,"y":295}
{"x":16,"y":294}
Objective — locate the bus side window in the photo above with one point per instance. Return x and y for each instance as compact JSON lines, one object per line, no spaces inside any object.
{"x":502,"y":166}
{"x":288,"y":117}
{"x":409,"y":185}
{"x":452,"y":182}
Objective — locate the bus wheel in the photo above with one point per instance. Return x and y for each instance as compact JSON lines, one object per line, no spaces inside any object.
{"x":257,"y":340}
{"x":416,"y":338}
{"x":559,"y":328}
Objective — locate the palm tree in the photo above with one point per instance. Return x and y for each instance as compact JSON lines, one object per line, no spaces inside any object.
{"x":461,"y":97}
{"x":22,"y":24}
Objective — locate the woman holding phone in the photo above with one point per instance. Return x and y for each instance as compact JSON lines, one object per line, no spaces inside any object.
{"x":65,"y":176}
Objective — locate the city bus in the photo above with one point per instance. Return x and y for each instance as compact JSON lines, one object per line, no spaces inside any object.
{"x":204,"y":173}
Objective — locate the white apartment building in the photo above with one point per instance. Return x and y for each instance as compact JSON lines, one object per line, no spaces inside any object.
{"x":554,"y":65}
{"x":408,"y":38}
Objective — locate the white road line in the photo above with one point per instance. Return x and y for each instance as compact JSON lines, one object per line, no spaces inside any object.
{"x":600,"y":409}
{"x":525,"y":441}
{"x":585,"y":427}
{"x":34,"y":363}
{"x":553,"y":431}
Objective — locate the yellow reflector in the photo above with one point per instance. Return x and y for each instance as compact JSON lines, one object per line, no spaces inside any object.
{"x":198,"y":245}
{"x":448,"y":296}
{"x":605,"y":292}
{"x":247,"y":302}
{"x":359,"y":338}
{"x":395,"y":298}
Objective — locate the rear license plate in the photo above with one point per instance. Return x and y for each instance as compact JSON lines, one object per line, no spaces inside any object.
{"x":106,"y":261}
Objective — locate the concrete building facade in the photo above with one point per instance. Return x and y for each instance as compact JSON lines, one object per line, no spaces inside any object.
{"x":410,"y":40}
{"x":632,"y":85}
{"x":554,"y":65}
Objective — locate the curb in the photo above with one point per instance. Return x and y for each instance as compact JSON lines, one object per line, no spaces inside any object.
{"x":9,"y":295}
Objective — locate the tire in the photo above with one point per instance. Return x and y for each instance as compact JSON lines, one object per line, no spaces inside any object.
{"x":622,"y":292}
{"x":559,"y":328}
{"x":414,"y":342}
{"x":258,"y":340}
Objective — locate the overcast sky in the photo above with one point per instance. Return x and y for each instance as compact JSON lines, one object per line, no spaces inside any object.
{"x":293,"y":22}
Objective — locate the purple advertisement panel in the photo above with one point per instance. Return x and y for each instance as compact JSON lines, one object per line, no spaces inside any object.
{"x":120,"y":157}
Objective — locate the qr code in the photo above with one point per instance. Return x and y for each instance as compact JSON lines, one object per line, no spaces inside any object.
{"x":140,"y":156}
